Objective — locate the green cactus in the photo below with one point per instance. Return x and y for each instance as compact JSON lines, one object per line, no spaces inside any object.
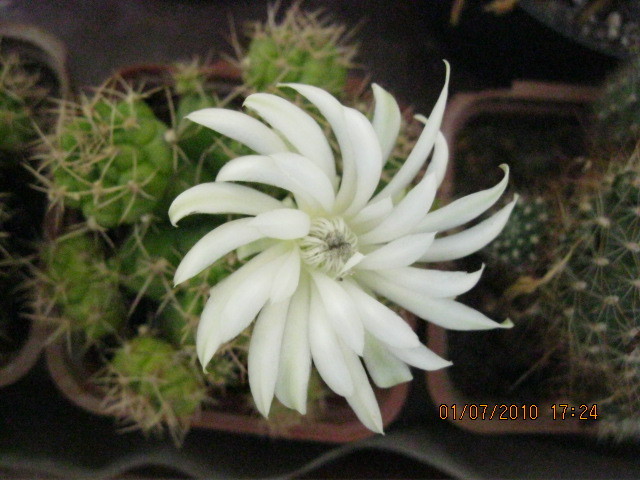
{"x":153,"y":387}
{"x":302,"y":48}
{"x":21,"y":103}
{"x":199,"y":145}
{"x":148,"y":257}
{"x":617,"y":111}
{"x":109,"y":158}
{"x":525,"y":241}
{"x":77,"y":282}
{"x":596,"y":298}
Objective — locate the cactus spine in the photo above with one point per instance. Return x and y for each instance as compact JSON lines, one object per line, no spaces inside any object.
{"x":596,"y":298}
{"x":303,"y":48}
{"x":153,"y":387}
{"x":109,"y":158}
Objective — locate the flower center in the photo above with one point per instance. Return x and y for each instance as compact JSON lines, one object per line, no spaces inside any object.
{"x":329,"y":244}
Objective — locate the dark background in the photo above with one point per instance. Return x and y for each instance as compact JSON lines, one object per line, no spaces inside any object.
{"x":402,"y":44}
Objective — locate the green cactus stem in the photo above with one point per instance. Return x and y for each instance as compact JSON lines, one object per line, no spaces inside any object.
{"x":524,"y":244}
{"x":304,"y":47}
{"x":109,"y":158}
{"x":153,"y":387}
{"x":76,"y":290}
{"x":596,"y":298}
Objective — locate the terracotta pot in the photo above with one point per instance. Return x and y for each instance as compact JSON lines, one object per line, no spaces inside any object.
{"x":337,"y":423}
{"x":486,"y":413}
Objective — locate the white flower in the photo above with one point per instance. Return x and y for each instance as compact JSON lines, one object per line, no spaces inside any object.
{"x":324,"y":257}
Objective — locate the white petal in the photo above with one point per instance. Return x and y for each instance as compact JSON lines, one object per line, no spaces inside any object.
{"x":471,"y":240}
{"x":354,"y":260}
{"x":286,"y":170}
{"x":380,"y":321}
{"x":287,"y":278}
{"x":386,"y":369}
{"x":243,"y":303}
{"x":333,"y":111}
{"x":341,"y":311}
{"x":325,"y":348}
{"x":464,"y":209}
{"x":420,"y":357}
{"x":283,"y":223}
{"x":250,"y":249}
{"x":210,"y":329}
{"x":214,"y":245}
{"x":433,"y":283}
{"x":305,"y":175}
{"x":406,"y":215}
{"x":423,"y":147}
{"x":401,"y":252}
{"x":297,"y":126}
{"x":371,"y":215}
{"x":264,"y":353}
{"x":363,"y":401}
{"x":208,"y":332}
{"x":441,"y":311}
{"x":386,"y":119}
{"x":295,"y":354}
{"x":221,"y":197}
{"x":439,"y":159}
{"x":368,"y":158}
{"x":241,"y":127}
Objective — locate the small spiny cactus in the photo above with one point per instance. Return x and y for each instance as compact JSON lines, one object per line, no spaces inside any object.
{"x":302,"y":48}
{"x":595,"y":299}
{"x":109,"y":158}
{"x":77,"y":290}
{"x":524,"y":241}
{"x":153,"y":387}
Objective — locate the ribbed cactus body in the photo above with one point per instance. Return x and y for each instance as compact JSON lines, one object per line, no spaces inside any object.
{"x":110,"y":160}
{"x":153,"y":386}
{"x":302,"y":48}
{"x":78,"y":282}
{"x":598,"y":293}
{"x":524,"y":241}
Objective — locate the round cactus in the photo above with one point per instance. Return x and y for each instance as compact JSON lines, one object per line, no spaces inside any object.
{"x":617,"y":111}
{"x":302,"y":48}
{"x":77,"y":282}
{"x":154,"y":387}
{"x":525,"y":240}
{"x":109,"y":159}
{"x":596,"y":298}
